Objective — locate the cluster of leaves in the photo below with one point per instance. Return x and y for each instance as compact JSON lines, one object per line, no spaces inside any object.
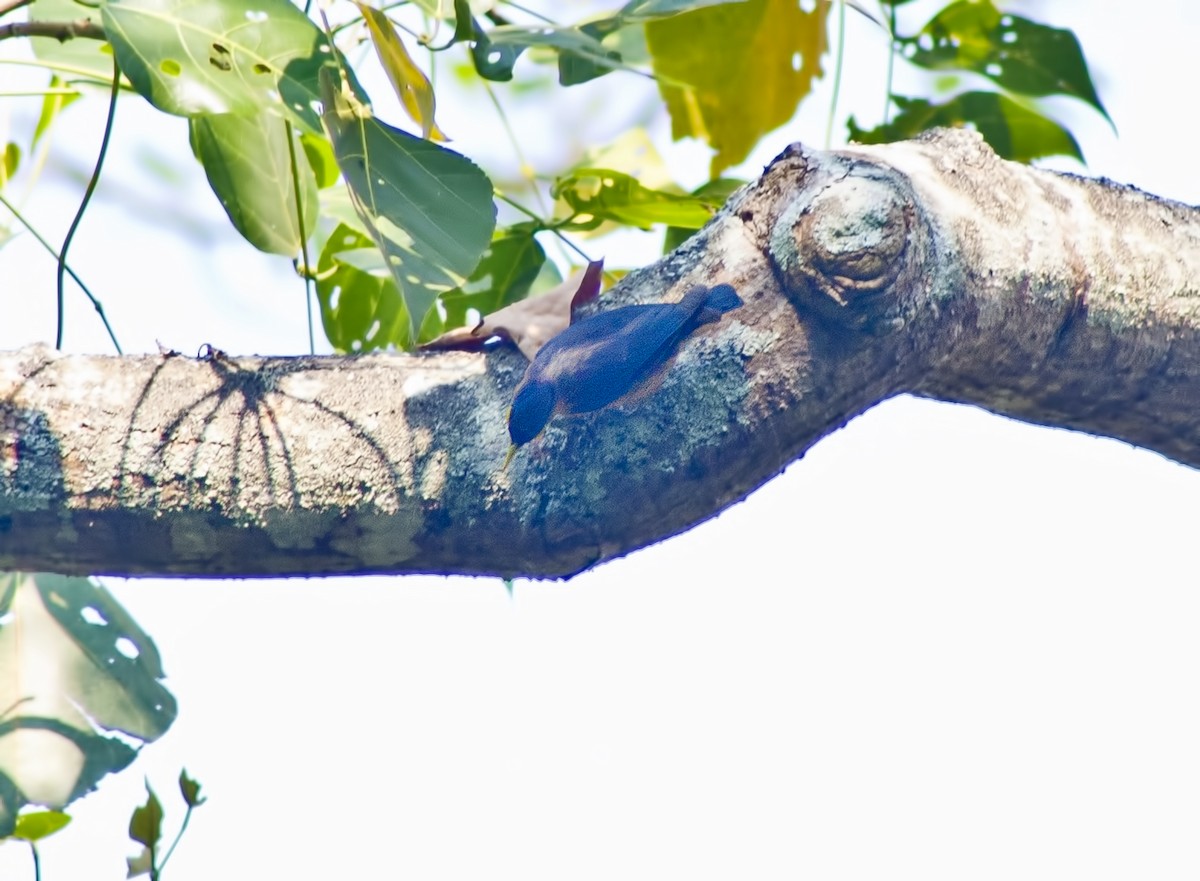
{"x":76,"y":669}
{"x":1020,"y":59}
{"x":145,"y":828}
{"x":409,"y":247}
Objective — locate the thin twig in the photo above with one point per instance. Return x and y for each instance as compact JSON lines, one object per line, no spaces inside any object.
{"x":62,"y":31}
{"x":96,"y":304}
{"x":87,"y":197}
{"x":837,"y":72}
{"x":182,"y":828}
{"x":308,"y":267}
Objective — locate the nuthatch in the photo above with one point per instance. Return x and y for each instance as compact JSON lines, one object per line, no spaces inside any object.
{"x":606,"y":357}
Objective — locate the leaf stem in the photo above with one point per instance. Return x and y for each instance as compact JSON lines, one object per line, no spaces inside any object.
{"x":837,"y":71}
{"x":182,"y":828}
{"x":37,"y":861}
{"x":891,"y":64}
{"x":39,"y":94}
{"x":308,"y":280}
{"x":526,"y":168}
{"x":87,"y":197}
{"x":547,"y":227}
{"x":530,"y":12}
{"x":96,"y":304}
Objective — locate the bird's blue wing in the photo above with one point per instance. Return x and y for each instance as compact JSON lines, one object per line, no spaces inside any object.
{"x":602,"y":358}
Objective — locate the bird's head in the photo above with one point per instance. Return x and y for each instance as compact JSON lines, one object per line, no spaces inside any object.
{"x":532,"y":407}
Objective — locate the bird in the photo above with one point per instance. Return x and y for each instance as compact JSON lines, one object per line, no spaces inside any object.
{"x":607,"y":357}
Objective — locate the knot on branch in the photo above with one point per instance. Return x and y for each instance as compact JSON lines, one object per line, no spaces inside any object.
{"x":842,"y":251}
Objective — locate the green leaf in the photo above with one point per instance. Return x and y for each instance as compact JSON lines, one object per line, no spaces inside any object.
{"x":145,"y":824}
{"x":464,"y":27}
{"x":619,"y":34}
{"x":600,"y":194}
{"x":40,"y":824}
{"x":733,"y":72}
{"x":52,"y":105}
{"x":74,"y":665}
{"x":575,"y":68}
{"x":221,"y":56}
{"x":91,"y":60}
{"x":508,"y":269}
{"x":10,"y":160}
{"x":123,"y":691}
{"x":190,"y":790}
{"x":320,"y":159}
{"x":1017,"y":54}
{"x":140,"y":864}
{"x":409,"y":81}
{"x":493,"y":62}
{"x":582,"y":55}
{"x":1015,"y":132}
{"x":716,"y":193}
{"x":360,"y":310}
{"x":428,"y":209}
{"x":249,"y":167}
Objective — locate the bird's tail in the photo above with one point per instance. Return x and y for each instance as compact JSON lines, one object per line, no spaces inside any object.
{"x":723,"y":298}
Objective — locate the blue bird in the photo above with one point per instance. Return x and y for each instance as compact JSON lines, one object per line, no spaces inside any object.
{"x":606,"y":357}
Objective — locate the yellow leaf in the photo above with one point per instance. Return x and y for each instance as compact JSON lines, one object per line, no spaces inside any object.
{"x":733,"y":72}
{"x":411,"y":85}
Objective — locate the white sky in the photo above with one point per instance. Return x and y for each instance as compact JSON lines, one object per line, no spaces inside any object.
{"x":943,"y":645}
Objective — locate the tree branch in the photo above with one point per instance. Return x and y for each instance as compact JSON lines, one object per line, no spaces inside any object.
{"x":928,"y":267}
{"x":62,"y":31}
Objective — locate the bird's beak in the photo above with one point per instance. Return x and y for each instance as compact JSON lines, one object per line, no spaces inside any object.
{"x":512,"y":451}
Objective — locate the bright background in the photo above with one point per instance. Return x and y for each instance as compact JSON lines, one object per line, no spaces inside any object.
{"x":944,"y":645}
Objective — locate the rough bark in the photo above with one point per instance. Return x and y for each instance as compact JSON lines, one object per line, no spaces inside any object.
{"x":929,"y":267}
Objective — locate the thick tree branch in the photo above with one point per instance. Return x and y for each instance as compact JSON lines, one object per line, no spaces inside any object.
{"x":929,"y":267}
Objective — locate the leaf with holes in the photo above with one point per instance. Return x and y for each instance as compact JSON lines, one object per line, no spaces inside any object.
{"x":599,"y":194}
{"x":249,"y":167}
{"x":1017,"y":54}
{"x":361,"y":310}
{"x":508,"y":269}
{"x":73,"y":664}
{"x":428,"y":209}
{"x":609,"y":32}
{"x":586,"y":56}
{"x":221,"y":56}
{"x":733,"y":72}
{"x":492,"y":62}
{"x":1015,"y":132}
